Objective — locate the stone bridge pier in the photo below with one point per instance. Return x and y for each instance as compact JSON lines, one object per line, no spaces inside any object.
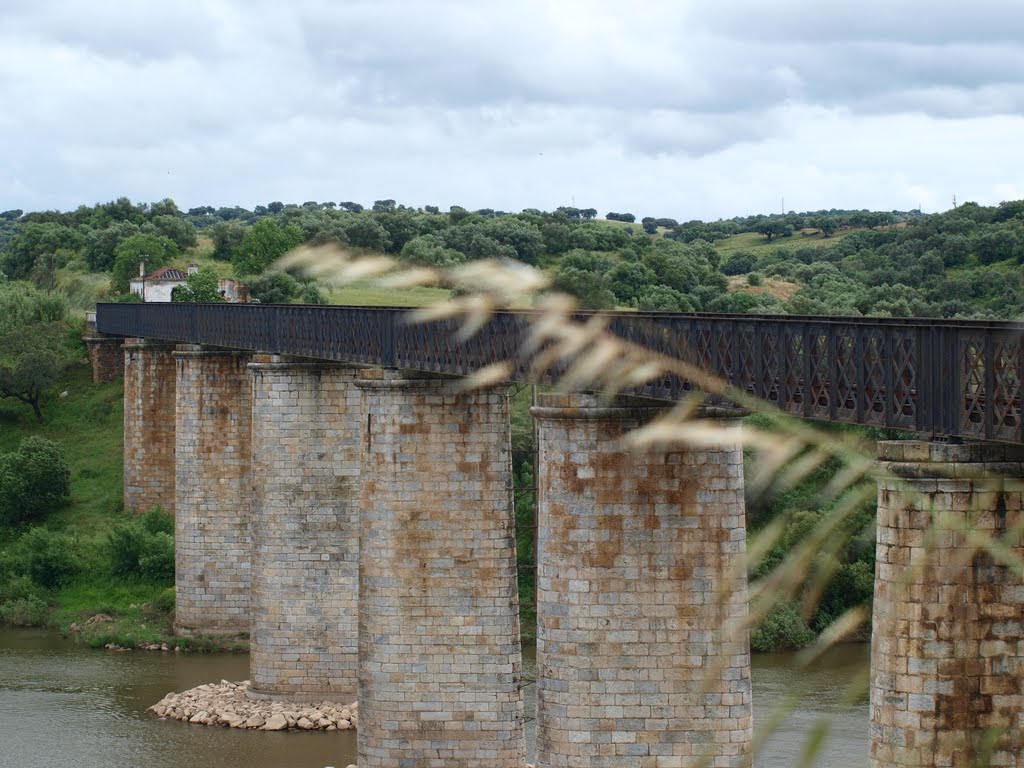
{"x":439,"y":651}
{"x":306,"y":429}
{"x":212,"y":491}
{"x":947,"y":655}
{"x":150,"y":408}
{"x":642,"y":661}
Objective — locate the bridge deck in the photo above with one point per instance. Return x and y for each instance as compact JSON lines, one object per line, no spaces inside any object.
{"x":954,"y":378}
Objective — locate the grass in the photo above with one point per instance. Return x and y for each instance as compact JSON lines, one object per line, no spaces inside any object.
{"x":86,"y":420}
{"x":783,"y":290}
{"x":804,"y":238}
{"x":365,"y":294}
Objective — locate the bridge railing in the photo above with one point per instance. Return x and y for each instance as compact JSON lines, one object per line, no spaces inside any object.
{"x":939,"y":377}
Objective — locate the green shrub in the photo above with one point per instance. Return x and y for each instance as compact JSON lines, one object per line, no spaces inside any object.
{"x":164,"y":602}
{"x":19,"y":587}
{"x":24,"y":612}
{"x":50,"y":559}
{"x":34,"y":480}
{"x":136,"y":550}
{"x":312,"y":294}
{"x":755,"y":278}
{"x":155,"y":520}
{"x":782,"y":629}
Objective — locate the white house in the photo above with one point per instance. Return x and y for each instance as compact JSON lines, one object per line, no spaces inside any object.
{"x":157,"y":285}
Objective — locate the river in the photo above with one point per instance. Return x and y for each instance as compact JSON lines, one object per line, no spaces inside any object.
{"x":64,"y":704}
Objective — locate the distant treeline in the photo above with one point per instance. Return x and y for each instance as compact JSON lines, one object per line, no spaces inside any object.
{"x":965,"y":262}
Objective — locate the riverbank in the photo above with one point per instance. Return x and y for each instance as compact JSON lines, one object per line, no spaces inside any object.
{"x":144,"y":627}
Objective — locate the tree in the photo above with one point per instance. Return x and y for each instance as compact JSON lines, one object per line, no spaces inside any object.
{"x":34,"y":480}
{"x":274,"y":287}
{"x":772,"y":226}
{"x":661,"y":298}
{"x":36,"y":239}
{"x":151,"y":250}
{"x":364,"y":232}
{"x":590,"y":288}
{"x":181,"y":231}
{"x":430,"y":250}
{"x":226,"y":236}
{"x":263,"y":244}
{"x":31,"y":358}
{"x":101,"y":244}
{"x":383,"y":205}
{"x":828,"y":225}
{"x":201,"y":286}
{"x":739,"y":263}
{"x":400,"y":226}
{"x":525,"y":237}
{"x":629,"y":278}
{"x":166,"y":207}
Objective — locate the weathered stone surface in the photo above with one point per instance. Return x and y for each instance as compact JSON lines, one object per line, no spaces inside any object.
{"x":106,"y":357}
{"x":947,"y":651}
{"x":149,"y":424}
{"x":305,"y":528}
{"x":440,"y":663}
{"x":638,"y":664}
{"x":213,"y":490}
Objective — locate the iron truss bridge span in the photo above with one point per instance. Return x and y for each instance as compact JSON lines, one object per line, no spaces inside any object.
{"x":940,"y":378}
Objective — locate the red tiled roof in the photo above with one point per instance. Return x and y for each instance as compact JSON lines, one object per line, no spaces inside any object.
{"x":166,"y":273}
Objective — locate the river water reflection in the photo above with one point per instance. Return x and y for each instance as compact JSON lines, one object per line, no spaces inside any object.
{"x":62,"y":704}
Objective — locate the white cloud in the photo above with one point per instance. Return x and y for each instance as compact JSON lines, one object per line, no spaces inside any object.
{"x":672,"y":109}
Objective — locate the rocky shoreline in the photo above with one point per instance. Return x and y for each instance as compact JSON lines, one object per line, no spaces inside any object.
{"x":226,"y":704}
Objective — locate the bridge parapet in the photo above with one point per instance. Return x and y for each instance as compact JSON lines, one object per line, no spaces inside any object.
{"x":934,"y":377}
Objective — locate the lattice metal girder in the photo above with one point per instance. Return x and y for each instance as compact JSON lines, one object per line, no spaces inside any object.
{"x":946,"y":377}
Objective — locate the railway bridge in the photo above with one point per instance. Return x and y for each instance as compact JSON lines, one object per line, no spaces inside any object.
{"x":339,"y":495}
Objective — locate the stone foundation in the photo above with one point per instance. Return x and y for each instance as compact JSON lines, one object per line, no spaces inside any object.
{"x":149,"y":424}
{"x":306,"y":421}
{"x":105,"y":356}
{"x":637,"y":664}
{"x":227,"y":704}
{"x":440,"y":662}
{"x":947,"y":651}
{"x":214,"y":485}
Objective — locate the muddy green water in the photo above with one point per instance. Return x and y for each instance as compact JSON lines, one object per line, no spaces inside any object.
{"x":62,"y":704}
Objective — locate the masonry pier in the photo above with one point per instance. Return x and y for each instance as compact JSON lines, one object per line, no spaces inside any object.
{"x":641,"y":578}
{"x":149,"y":424}
{"x":947,"y":655}
{"x":213,"y":490}
{"x":440,"y":660}
{"x":306,"y":421}
{"x":105,"y":356}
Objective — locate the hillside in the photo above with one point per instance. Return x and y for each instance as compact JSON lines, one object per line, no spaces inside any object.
{"x":965,"y":262}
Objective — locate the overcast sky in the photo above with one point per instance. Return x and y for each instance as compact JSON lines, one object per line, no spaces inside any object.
{"x":675,"y":108}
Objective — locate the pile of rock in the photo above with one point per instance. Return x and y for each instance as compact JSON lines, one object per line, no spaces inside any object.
{"x":225,"y":703}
